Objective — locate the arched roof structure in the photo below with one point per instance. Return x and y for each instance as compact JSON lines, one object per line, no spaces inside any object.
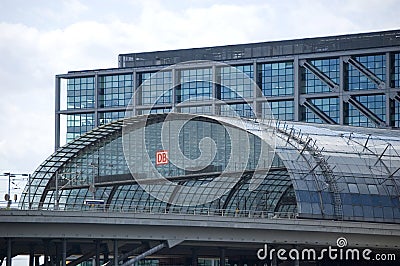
{"x":319,"y":171}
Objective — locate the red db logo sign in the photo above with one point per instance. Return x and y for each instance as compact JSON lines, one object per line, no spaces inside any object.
{"x":161,"y":157}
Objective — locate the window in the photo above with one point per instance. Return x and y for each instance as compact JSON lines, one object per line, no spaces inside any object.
{"x":195,"y":85}
{"x":79,"y":124}
{"x":236,"y":82}
{"x":241,"y":109}
{"x":156,"y":88}
{"x":282,"y":110}
{"x":312,"y":84}
{"x":277,"y":79}
{"x":204,"y":109}
{"x":353,"y":188}
{"x":375,"y":103}
{"x":80,"y":93}
{"x":156,"y":111}
{"x":358,"y":81}
{"x":330,"y":106}
{"x":373,"y":189}
{"x":115,"y":90}
{"x":107,"y":117}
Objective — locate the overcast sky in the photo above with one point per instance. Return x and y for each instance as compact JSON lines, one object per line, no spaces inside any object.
{"x":42,"y":38}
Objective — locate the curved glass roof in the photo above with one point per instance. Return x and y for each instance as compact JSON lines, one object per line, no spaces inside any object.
{"x":319,"y":171}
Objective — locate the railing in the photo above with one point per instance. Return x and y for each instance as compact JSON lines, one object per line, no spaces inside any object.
{"x":174,"y":210}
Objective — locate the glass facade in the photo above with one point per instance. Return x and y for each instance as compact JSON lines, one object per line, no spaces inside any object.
{"x":203,"y":109}
{"x":329,"y":106}
{"x":190,"y":135}
{"x":80,"y":93}
{"x":79,"y":124}
{"x":93,"y":166}
{"x":312,"y":84}
{"x":236,"y":82}
{"x":375,"y":103}
{"x":155,"y":111}
{"x":195,"y":85}
{"x":156,"y":88}
{"x":232,"y":83}
{"x":324,"y":79}
{"x":107,"y":117}
{"x":358,"y":81}
{"x":239,"y":109}
{"x":277,"y":79}
{"x":282,"y":110}
{"x":115,"y":90}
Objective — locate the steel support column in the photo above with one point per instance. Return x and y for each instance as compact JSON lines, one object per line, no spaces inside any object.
{"x":222,"y":257}
{"x":342,"y":85}
{"x":97,"y":256}
{"x":145,"y":254}
{"x":115,"y":252}
{"x":297,"y":88}
{"x":194,"y":257}
{"x":57,"y":115}
{"x":9,"y":252}
{"x":96,"y":100}
{"x":31,"y":256}
{"x":64,"y":252}
{"x":388,"y":111}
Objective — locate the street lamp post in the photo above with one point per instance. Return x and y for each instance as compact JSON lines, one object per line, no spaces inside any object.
{"x":10,"y":175}
{"x":29,"y":190}
{"x":8,"y":199}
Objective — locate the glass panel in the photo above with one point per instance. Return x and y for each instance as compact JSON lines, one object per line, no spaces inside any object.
{"x":312,"y":84}
{"x":205,"y":109}
{"x":330,"y":106}
{"x":358,"y":81}
{"x":108,"y":117}
{"x":375,"y":103}
{"x":236,"y":82}
{"x":282,"y":110}
{"x":353,"y":188}
{"x":115,"y":90}
{"x":156,"y":87}
{"x":241,"y":109}
{"x":80,"y":93}
{"x":79,"y":124}
{"x":277,"y":79}
{"x":195,"y":85}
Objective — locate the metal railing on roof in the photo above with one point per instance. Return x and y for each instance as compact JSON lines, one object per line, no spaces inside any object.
{"x":170,"y":210}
